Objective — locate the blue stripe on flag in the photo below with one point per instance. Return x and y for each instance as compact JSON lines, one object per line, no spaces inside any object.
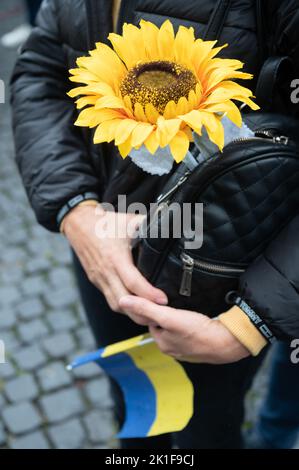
{"x":139,"y":394}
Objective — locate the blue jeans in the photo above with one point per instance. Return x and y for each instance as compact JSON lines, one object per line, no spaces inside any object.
{"x":278,"y":424}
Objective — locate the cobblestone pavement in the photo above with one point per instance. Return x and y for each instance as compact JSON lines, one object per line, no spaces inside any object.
{"x":42,"y":323}
{"x":41,"y":319}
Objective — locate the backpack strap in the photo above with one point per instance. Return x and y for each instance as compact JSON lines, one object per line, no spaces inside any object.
{"x":273,"y":70}
{"x":217,"y":19}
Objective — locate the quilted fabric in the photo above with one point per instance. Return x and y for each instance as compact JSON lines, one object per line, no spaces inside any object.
{"x":245,"y":208}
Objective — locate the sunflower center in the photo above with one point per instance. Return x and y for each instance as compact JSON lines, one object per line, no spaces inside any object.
{"x":158,"y":83}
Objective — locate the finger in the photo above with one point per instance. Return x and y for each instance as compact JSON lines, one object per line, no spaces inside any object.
{"x":139,"y":320}
{"x":145,"y":308}
{"x":136,"y":283}
{"x":114,"y":290}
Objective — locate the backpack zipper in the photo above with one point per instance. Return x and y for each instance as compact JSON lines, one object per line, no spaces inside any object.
{"x":190,"y":263}
{"x":260,"y":134}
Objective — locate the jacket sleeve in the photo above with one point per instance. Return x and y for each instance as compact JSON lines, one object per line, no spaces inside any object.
{"x":50,"y":150}
{"x":270,"y":286}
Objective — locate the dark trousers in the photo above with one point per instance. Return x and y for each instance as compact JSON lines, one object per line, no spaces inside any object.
{"x":219,"y":390}
{"x":278,"y":424}
{"x":32,"y":9}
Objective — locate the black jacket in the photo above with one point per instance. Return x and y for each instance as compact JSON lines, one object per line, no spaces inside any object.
{"x":58,"y":161}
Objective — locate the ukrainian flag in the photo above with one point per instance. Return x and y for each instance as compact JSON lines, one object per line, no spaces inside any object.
{"x":157,"y":391}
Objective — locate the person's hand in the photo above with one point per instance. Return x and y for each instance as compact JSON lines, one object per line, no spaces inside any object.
{"x":102,"y":243}
{"x":184,"y":335}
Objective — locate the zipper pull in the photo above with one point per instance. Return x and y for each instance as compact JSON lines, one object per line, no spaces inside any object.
{"x":281,"y":139}
{"x":186,"y":282}
{"x":169,"y":193}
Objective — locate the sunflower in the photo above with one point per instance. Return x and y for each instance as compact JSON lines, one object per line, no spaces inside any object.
{"x":155,"y":88}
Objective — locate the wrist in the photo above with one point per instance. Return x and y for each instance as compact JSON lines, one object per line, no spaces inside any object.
{"x":74,"y":218}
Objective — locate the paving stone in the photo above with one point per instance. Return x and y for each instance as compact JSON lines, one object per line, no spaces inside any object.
{"x":61,"y":405}
{"x":8,"y":319}
{"x":86,"y":372}
{"x":22,"y":388}
{"x":85,"y":338}
{"x":7,"y":370}
{"x":54,"y":376}
{"x":100,"y":426}
{"x":61,"y":276}
{"x":2,"y":435}
{"x":8,"y":295}
{"x":61,"y":298}
{"x":38,"y":265}
{"x":60,"y":321}
{"x":68,"y":435}
{"x":2,"y":401}
{"x":33,"y":330}
{"x":30,"y":309}
{"x":98,"y":392}
{"x":30,"y":358}
{"x":13,"y":254}
{"x":34,"y":285}
{"x":80,"y":312}
{"x":11,"y":275}
{"x":35,"y":440}
{"x":59,"y":345}
{"x":21,"y":418}
{"x":10,"y":340}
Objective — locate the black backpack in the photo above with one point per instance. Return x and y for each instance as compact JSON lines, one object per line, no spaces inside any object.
{"x":249,"y":193}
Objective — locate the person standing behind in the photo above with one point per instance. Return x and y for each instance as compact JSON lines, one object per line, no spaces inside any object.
{"x":18,"y":35}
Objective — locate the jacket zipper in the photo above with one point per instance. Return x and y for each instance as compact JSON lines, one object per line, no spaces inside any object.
{"x":190,"y":263}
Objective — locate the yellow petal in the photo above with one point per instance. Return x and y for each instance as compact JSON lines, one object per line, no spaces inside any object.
{"x":193,"y":119}
{"x":152,"y":142}
{"x":167,"y":129}
{"x":179,"y":146}
{"x":128,"y":104}
{"x":130,"y":46}
{"x":106,"y":131}
{"x":91,"y":117}
{"x":111,"y":58}
{"x":229,"y":108}
{"x":170,"y":110}
{"x":82,"y":90}
{"x":214,"y":128}
{"x":124,"y":131}
{"x":183,"y":106}
{"x":219,"y":75}
{"x":100,"y":68}
{"x":84,"y":76}
{"x":139,"y":113}
{"x":166,"y":41}
{"x":150,"y":38}
{"x":101,"y":88}
{"x":125,"y":148}
{"x":110,"y":102}
{"x":141,"y":133}
{"x":151,"y":113}
{"x":193,"y":100}
{"x":85,"y":101}
{"x":183,"y":45}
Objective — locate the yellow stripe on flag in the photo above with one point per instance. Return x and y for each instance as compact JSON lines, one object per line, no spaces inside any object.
{"x":174,"y":390}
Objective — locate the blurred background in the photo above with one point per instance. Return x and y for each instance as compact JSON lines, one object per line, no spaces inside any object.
{"x":41,"y":320}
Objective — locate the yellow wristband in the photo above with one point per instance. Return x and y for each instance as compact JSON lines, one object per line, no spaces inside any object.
{"x":237,"y":322}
